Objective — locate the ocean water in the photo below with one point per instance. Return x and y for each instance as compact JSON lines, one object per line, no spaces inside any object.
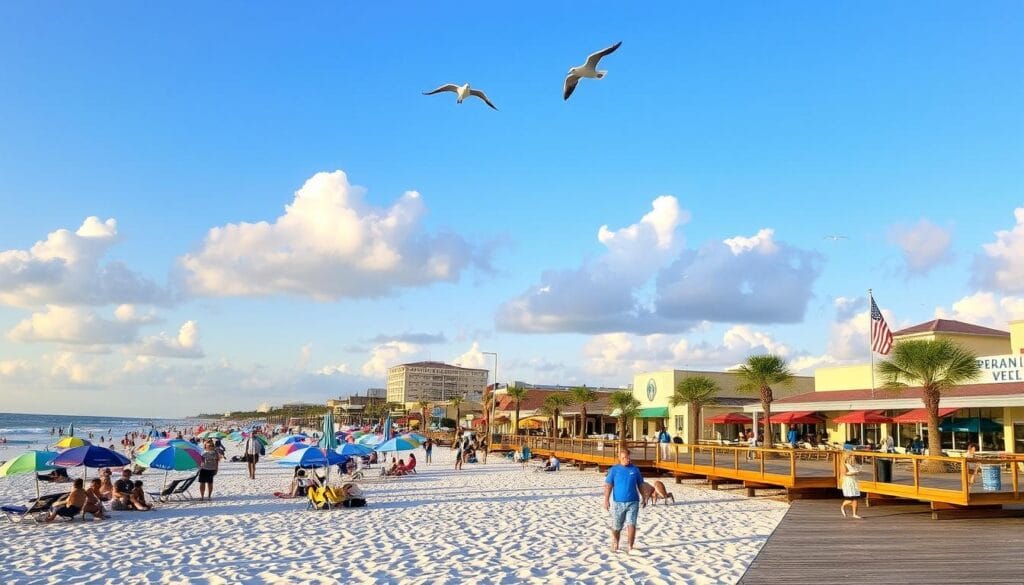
{"x":37,"y":431}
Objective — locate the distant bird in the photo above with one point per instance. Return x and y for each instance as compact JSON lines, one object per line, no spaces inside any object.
{"x":835,"y":238}
{"x":463,"y":91}
{"x":588,"y":69}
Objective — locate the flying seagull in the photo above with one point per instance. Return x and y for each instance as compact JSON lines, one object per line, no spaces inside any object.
{"x":588,"y":69}
{"x":835,"y":238}
{"x":463,"y":91}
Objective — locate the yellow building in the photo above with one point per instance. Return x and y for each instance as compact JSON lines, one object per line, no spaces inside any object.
{"x":989,"y":411}
{"x":653,"y":390}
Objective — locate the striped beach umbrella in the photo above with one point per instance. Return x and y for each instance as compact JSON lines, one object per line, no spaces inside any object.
{"x":397,"y":444}
{"x":170,"y":458}
{"x":287,"y":449}
{"x":71,"y":442}
{"x":29,"y":462}
{"x":313,"y":457}
{"x":299,"y":438}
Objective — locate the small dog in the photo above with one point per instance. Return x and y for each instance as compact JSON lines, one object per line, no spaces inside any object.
{"x":653,"y":493}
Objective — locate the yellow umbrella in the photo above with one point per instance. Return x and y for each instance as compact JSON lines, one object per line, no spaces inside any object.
{"x":71,"y":442}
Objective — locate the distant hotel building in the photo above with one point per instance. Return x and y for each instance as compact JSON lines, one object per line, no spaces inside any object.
{"x":433,"y":381}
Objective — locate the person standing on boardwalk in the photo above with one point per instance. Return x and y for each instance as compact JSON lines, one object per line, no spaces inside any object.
{"x":851,"y":491}
{"x":663,"y":442}
{"x":252,"y":448}
{"x":622,"y":487}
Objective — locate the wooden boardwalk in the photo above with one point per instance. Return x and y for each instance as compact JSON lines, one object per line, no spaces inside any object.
{"x":893,"y":544}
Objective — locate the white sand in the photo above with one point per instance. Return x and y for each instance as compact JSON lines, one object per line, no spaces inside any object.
{"x":485,"y":524}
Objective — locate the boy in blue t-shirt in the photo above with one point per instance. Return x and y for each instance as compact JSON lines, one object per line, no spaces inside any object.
{"x":622,"y":485}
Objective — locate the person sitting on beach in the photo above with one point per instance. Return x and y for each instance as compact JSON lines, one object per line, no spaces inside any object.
{"x":94,"y":501}
{"x":300,"y":484}
{"x":393,"y":469}
{"x":122,"y":495}
{"x":72,"y":504}
{"x":138,"y":498}
{"x":552,"y":464}
{"x":58,"y":475}
{"x":352,"y":496}
{"x":106,"y":490}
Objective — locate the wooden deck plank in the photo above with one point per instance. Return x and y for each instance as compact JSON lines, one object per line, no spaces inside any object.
{"x":893,"y":544}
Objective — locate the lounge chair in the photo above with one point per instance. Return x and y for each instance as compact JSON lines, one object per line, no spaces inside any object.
{"x":36,"y":509}
{"x":178,"y":487}
{"x":166,"y":492}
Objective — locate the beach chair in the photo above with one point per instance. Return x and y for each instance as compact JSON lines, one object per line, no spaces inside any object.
{"x":36,"y":509}
{"x":323,"y":497}
{"x":181,"y":491}
{"x":166,"y":492}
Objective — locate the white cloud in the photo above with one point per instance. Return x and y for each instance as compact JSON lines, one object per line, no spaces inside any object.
{"x":184,"y":345}
{"x":385,"y":355}
{"x":985,"y":308}
{"x":334,"y":370}
{"x":924,"y":245}
{"x":472,"y":358}
{"x":847,"y":306}
{"x":305,"y":354}
{"x":1001,"y":267}
{"x":741,"y":279}
{"x":329,"y":244}
{"x":67,"y":269}
{"x":72,"y":325}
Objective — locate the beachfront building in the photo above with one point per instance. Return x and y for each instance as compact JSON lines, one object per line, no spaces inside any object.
{"x":533,"y":419}
{"x":434,"y":382}
{"x":352,"y":409}
{"x":849,"y":406}
{"x":654,"y":389}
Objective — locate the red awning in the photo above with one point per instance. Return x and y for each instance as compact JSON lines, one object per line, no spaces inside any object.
{"x":920,"y":415}
{"x":479,"y":422}
{"x":863,"y":417}
{"x":729,"y":418}
{"x":804,"y":417}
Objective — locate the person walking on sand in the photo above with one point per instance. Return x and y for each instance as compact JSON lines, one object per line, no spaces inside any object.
{"x":252,"y":447}
{"x":851,"y":491}
{"x":622,"y":485}
{"x":428,"y":448}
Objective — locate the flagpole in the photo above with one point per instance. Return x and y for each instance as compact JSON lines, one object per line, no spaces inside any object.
{"x":871,"y":341}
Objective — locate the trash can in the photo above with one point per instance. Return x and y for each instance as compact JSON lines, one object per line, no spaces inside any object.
{"x":991,"y":478}
{"x":883,"y":470}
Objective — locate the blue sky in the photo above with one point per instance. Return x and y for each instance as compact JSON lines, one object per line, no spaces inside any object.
{"x":898,"y":126}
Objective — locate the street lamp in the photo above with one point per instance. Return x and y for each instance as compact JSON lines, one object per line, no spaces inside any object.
{"x":494,"y":391}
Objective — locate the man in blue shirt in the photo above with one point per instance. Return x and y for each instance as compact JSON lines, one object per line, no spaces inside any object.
{"x":622,"y":485}
{"x":663,"y":442}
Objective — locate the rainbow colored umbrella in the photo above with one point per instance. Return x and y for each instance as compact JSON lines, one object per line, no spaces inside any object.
{"x":287,"y":449}
{"x":370,"y":440}
{"x":90,"y":456}
{"x":351,"y":449}
{"x":70,"y":442}
{"x":213,"y":435}
{"x":299,"y":438}
{"x":29,"y":462}
{"x":170,"y":458}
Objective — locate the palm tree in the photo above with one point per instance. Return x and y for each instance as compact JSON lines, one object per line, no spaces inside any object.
{"x":518,"y":394}
{"x":583,"y":396}
{"x":696,"y":392}
{"x":424,"y":411}
{"x":553,"y":406}
{"x":757,"y":375}
{"x":934,"y":365}
{"x":457,"y":402}
{"x":628,"y":407}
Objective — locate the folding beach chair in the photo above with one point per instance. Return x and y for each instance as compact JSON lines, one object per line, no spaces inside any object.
{"x":182,"y":490}
{"x":165,"y":493}
{"x":34,"y":511}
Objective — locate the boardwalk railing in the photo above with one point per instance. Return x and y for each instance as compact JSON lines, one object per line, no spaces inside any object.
{"x":951,"y":480}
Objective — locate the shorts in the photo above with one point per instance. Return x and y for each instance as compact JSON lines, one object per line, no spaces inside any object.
{"x":68,"y":511}
{"x":206,"y":475}
{"x":624,"y":513}
{"x":252,"y":458}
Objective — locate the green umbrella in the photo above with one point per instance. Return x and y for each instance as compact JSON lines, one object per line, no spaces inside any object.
{"x":29,"y":462}
{"x":71,"y":430}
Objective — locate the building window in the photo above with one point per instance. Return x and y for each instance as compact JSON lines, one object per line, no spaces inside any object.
{"x":680,"y":424}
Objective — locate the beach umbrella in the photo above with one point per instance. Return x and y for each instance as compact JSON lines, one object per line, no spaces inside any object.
{"x":71,"y":442}
{"x":235,"y":436}
{"x":313,"y":457}
{"x":71,"y":429}
{"x":289,"y":439}
{"x":351,"y":449}
{"x":170,"y":458}
{"x":370,"y":440}
{"x":29,"y":462}
{"x":397,"y":444}
{"x":329,"y":440}
{"x":90,"y":456}
{"x":286,"y":449}
{"x":213,"y":435}
{"x":416,"y":436}
{"x":387,"y":428}
{"x":180,"y":443}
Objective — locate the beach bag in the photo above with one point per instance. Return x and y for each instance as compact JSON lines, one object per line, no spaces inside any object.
{"x":354,"y":503}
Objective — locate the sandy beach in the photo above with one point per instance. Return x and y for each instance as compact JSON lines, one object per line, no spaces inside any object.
{"x":486,"y":524}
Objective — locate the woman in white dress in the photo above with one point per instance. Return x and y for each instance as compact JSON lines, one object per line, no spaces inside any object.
{"x":851,"y":491}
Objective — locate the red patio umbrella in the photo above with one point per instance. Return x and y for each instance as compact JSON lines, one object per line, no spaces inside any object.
{"x":920,"y":415}
{"x":863,"y":417}
{"x":800,"y":417}
{"x":729,"y":418}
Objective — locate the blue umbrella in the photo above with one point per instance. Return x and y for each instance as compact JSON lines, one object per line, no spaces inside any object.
{"x":90,"y":456}
{"x":300,"y":438}
{"x":353,"y":449}
{"x":387,"y":428}
{"x":313,"y":457}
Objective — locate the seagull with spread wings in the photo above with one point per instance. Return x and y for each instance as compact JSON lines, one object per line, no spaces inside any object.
{"x":462,"y":91}
{"x":588,"y":69}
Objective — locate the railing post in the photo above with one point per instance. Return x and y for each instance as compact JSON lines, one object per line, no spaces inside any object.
{"x":917,"y":475}
{"x":736,"y":459}
{"x":713,"y":458}
{"x":1014,"y":478}
{"x":965,"y":481}
{"x":760,"y":458}
{"x":792,"y":464}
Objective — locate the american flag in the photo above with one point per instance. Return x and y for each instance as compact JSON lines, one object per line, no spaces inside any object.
{"x":881,"y":337}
